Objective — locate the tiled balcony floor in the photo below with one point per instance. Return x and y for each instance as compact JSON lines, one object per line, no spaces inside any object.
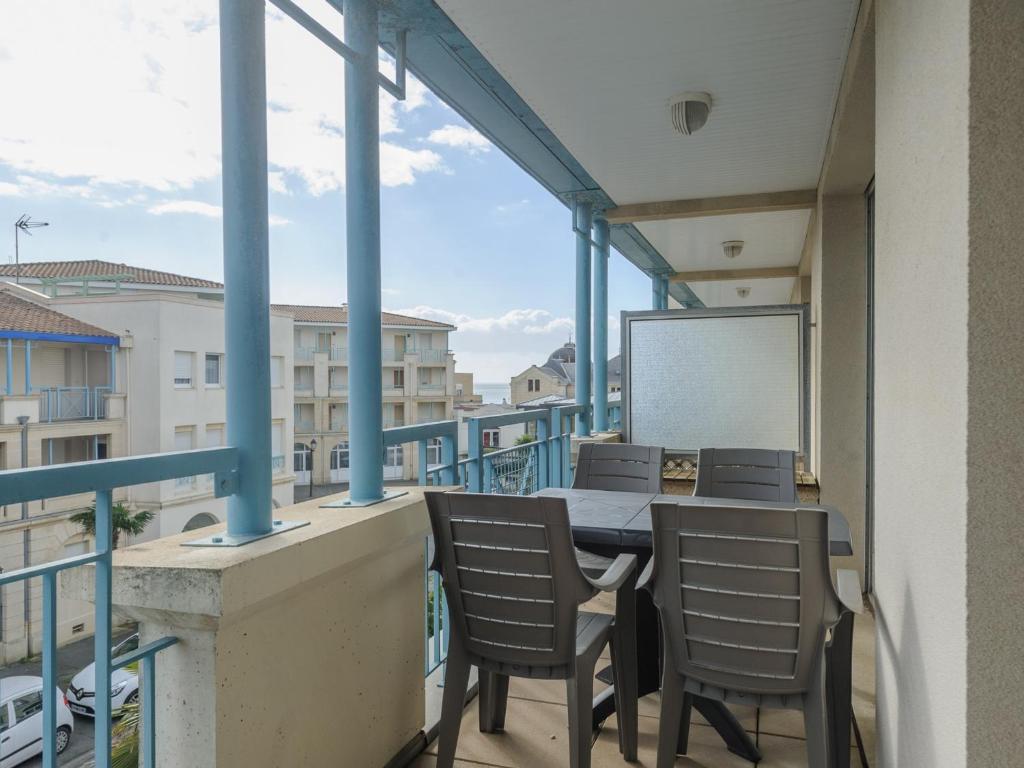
{"x":536,"y":736}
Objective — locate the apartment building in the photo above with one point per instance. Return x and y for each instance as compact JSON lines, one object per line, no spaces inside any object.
{"x":171,"y":329}
{"x":418,"y":372}
{"x":62,"y":399}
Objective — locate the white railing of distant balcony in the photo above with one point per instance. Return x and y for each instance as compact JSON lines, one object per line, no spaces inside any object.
{"x":431,"y":386}
{"x":304,"y":354}
{"x":72,"y":403}
{"x":433,"y":355}
{"x":339,"y":354}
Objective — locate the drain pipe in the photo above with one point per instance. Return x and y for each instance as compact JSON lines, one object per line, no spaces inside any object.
{"x":26,"y":539}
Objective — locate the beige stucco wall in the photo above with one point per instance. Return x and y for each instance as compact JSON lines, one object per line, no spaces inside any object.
{"x":549,"y":385}
{"x":303,"y":649}
{"x":995,"y":386}
{"x":841,"y":346}
{"x":921,"y":491}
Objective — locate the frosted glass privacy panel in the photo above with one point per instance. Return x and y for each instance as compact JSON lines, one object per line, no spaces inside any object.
{"x":716,"y":382}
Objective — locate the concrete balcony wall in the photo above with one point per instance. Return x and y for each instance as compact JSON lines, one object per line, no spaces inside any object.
{"x":13,"y":406}
{"x":301,"y":649}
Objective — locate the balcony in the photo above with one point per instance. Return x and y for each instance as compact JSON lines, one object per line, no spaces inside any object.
{"x":304,"y":354}
{"x":433,"y":355}
{"x":431,"y":387}
{"x":339,"y":355}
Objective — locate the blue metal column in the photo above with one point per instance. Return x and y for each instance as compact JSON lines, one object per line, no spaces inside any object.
{"x":101,"y":639}
{"x":583,"y":225}
{"x":246,"y":261}
{"x":28,"y":367}
{"x":664,"y":293}
{"x":601,"y":254}
{"x":113,"y":369}
{"x":362,"y":210}
{"x":10,"y":366}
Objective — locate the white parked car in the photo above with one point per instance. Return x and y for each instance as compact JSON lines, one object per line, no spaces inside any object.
{"x":124,"y":684}
{"x":21,"y":720}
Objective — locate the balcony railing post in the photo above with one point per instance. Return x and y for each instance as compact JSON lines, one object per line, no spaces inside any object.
{"x":10,"y":367}
{"x":422,"y":445}
{"x":246,"y":260}
{"x":49,"y":670}
{"x":101,"y":642}
{"x":448,"y":458}
{"x":476,"y":456}
{"x":582,"y":221}
{"x":601,"y":254}
{"x":543,"y":463}
{"x":362,"y":205}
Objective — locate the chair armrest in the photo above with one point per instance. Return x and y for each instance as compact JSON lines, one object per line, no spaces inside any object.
{"x":848,"y":590}
{"x":617,"y":574}
{"x":647,"y":576}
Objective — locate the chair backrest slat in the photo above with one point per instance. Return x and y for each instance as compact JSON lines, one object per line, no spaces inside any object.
{"x":510,"y":576}
{"x":618,"y":467}
{"x":746,"y":473}
{"x":745,"y":593}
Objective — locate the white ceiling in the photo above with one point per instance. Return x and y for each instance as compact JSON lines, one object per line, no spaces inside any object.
{"x":601,"y":74}
{"x":776,"y":290}
{"x":770,"y":240}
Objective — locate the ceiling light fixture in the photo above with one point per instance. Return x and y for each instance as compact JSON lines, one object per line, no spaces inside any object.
{"x":690,"y":111}
{"x":732,"y":248}
{"x":743,"y":292}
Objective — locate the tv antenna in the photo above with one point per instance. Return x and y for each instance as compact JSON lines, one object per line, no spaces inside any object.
{"x":23,"y":224}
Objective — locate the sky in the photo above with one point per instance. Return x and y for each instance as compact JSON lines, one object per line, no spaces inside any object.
{"x":111,"y":132}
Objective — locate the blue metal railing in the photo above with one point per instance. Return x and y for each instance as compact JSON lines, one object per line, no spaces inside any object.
{"x":101,"y":477}
{"x":614,"y":417}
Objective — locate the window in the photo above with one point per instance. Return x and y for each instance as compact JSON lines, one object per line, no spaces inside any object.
{"x":3,"y":717}
{"x":339,"y":456}
{"x":304,"y":378}
{"x":213,"y":370}
{"x":393,"y":456}
{"x":302,"y":458}
{"x":434,"y":451}
{"x":276,"y":372}
{"x":536,"y":385}
{"x":28,"y":705}
{"x":183,"y":370}
{"x":529,"y":385}
{"x":492,"y":438}
{"x":214,"y":435}
{"x":398,"y":376}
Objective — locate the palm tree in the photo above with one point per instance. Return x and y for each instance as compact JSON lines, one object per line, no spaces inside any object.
{"x":122,"y":521}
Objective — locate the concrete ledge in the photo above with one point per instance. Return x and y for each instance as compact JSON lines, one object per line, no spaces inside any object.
{"x":596,"y":437}
{"x":301,"y":649}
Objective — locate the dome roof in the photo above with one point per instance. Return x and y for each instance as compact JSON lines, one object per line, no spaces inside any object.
{"x":564,"y":354}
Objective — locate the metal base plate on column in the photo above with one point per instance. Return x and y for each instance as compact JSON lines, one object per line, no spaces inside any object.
{"x":344,"y":503}
{"x":227,"y":540}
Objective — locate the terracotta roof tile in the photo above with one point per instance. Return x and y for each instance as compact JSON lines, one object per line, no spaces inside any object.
{"x":95,"y":268}
{"x":17,"y":314}
{"x":305,"y":313}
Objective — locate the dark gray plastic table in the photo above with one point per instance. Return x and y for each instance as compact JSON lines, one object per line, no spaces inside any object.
{"x":613,"y":522}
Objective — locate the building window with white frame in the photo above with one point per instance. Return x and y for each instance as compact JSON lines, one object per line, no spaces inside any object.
{"x":214,"y":370}
{"x":184,"y":440}
{"x":492,"y":438}
{"x":183,"y":370}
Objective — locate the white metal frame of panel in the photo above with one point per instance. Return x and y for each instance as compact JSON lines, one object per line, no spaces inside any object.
{"x":798,"y":312}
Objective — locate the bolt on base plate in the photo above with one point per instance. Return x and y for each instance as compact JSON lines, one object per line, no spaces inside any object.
{"x":228,"y":540}
{"x":345,"y":503}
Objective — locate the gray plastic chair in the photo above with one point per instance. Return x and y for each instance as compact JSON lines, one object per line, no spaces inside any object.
{"x":618,"y":467}
{"x":615,"y":467}
{"x":746,"y":473}
{"x":514,"y":590}
{"x":746,"y":604}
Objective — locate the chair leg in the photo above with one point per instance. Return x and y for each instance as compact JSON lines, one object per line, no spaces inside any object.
{"x":816,"y":723}
{"x":580,"y":700}
{"x":493,"y":701}
{"x":683,"y":742}
{"x":626,"y":707}
{"x":456,"y":680}
{"x":672,"y":696}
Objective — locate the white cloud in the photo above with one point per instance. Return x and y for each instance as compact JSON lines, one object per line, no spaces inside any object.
{"x":200,"y":208}
{"x":531,"y":321}
{"x":141,"y":110}
{"x":461,"y":137}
